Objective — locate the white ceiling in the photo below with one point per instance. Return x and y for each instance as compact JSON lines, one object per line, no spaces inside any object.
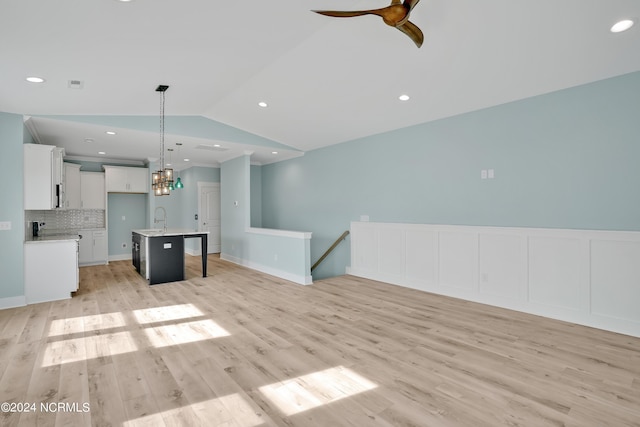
{"x":326,"y":80}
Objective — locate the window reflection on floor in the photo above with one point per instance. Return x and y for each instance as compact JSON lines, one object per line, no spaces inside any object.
{"x":316,"y":389}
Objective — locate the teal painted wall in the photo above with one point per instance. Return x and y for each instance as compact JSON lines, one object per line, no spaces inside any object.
{"x":234,"y":217}
{"x":134,"y":209}
{"x":11,"y":208}
{"x":567,"y":159}
{"x":256,"y":196}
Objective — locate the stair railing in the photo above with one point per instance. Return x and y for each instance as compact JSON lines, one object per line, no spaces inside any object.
{"x":328,"y":251}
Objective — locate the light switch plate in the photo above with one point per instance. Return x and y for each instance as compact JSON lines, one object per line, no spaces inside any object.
{"x":5,"y":225}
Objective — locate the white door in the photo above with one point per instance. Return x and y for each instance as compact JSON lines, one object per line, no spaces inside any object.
{"x":209,"y":213}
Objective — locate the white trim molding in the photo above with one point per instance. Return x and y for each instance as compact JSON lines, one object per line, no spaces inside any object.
{"x":301,"y":280}
{"x":280,"y":233}
{"x":12,"y":302}
{"x":587,"y":277}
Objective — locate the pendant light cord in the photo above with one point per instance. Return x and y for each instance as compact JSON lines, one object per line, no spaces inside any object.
{"x":162,"y":131}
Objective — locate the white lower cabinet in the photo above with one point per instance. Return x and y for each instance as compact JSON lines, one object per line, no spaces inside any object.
{"x":50,"y":270}
{"x":93,"y":247}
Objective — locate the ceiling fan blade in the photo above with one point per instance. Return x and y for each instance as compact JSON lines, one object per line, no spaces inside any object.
{"x":345,"y":14}
{"x":413,"y":32}
{"x":410,"y":4}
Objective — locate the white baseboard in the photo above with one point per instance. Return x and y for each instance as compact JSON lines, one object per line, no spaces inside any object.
{"x":193,"y":252}
{"x":301,"y":280}
{"x":89,"y":264}
{"x":11,"y":302}
{"x":121,"y":257}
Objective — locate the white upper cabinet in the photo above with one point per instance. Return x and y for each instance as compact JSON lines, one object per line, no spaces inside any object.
{"x":92,"y":190}
{"x":71,"y":186}
{"x":43,"y":170}
{"x":121,"y":179}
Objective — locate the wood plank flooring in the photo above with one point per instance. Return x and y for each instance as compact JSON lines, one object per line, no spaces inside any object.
{"x":241,"y":348}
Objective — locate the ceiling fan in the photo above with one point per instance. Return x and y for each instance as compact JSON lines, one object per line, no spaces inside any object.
{"x":395,"y":15}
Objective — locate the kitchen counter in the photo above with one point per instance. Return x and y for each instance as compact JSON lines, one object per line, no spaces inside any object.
{"x":154,"y":232}
{"x":52,"y":238}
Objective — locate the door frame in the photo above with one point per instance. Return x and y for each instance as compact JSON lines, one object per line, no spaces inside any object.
{"x":199,"y":186}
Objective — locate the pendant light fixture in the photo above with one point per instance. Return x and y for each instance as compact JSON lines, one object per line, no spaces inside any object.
{"x":162,"y":180}
{"x":179,"y":183}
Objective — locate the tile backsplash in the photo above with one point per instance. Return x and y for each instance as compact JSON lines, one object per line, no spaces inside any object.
{"x":67,"y":219}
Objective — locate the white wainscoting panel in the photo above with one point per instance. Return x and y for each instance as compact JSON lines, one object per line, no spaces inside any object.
{"x":615,"y":279}
{"x":422,"y":257}
{"x":366,"y":254}
{"x":458,"y":260}
{"x":391,"y":251}
{"x":554,"y":272}
{"x":502,"y":263}
{"x":587,"y":277}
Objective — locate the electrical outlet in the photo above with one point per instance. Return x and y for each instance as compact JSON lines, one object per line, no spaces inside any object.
{"x":5,"y":225}
{"x":124,"y":245}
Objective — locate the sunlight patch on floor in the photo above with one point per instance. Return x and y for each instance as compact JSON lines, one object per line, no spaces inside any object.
{"x":316,"y":389}
{"x":182,"y":333}
{"x":163,"y":314}
{"x":75,"y":325}
{"x":231,"y":410}
{"x":94,"y":346}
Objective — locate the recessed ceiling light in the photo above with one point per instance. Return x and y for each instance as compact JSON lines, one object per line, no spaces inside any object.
{"x":274,"y":152}
{"x":216,"y":145}
{"x":621,"y":26}
{"x":403,"y":97}
{"x":110,"y":132}
{"x":34,"y":79}
{"x":263,"y":104}
{"x":186,"y":160}
{"x":88,"y":140}
{"x":101,"y":152}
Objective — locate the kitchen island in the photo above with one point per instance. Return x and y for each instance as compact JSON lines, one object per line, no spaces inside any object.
{"x":158,"y":255}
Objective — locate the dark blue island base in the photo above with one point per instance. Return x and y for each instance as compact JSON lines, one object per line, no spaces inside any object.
{"x":159,"y":256}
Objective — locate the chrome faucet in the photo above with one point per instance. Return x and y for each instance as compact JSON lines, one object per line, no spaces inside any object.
{"x":164,"y":218}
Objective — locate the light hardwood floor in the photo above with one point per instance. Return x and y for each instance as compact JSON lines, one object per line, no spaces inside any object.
{"x":240,"y":348}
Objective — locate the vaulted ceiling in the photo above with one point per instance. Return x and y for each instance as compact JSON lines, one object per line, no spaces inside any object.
{"x":325,"y":80}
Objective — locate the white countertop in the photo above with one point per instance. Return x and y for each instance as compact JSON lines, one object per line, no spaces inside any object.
{"x":52,"y":238}
{"x":156,"y":232}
